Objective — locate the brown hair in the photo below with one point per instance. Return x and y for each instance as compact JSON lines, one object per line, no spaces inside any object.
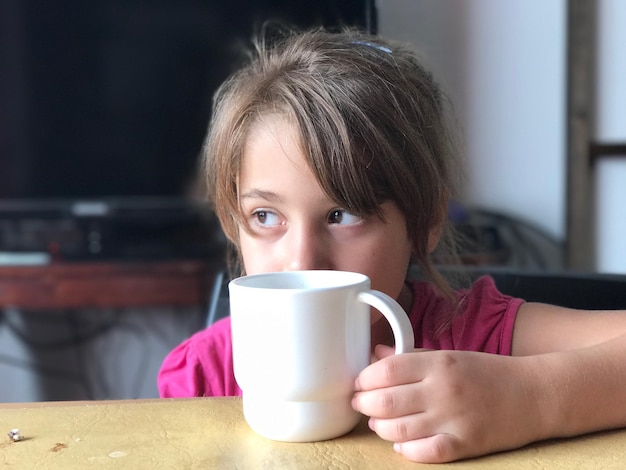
{"x":373,"y":126}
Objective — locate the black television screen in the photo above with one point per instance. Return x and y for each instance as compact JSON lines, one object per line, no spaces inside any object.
{"x":104,"y":106}
{"x":111,"y":98}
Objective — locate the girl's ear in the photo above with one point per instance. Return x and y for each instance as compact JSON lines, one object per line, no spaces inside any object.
{"x":436,"y":231}
{"x":434,"y":236}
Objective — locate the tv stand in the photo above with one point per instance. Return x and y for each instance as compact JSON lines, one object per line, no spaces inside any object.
{"x":128,"y":229}
{"x":128,"y":252}
{"x":106,"y":284}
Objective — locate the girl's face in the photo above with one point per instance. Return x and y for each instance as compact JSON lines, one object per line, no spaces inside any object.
{"x":293,"y":225}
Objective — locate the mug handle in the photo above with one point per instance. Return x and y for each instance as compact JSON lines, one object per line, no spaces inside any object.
{"x":395,"y":315}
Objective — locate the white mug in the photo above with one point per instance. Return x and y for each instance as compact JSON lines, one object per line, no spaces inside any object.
{"x":300,"y":339}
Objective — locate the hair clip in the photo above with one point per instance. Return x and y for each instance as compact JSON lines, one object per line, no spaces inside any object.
{"x":375,"y":46}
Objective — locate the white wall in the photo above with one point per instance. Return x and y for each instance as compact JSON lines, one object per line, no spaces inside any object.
{"x":611,"y":215}
{"x":610,"y":125}
{"x":503,"y":64}
{"x":610,"y":128}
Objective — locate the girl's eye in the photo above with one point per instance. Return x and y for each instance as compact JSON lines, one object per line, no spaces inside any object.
{"x":266,"y":218}
{"x":339,"y":216}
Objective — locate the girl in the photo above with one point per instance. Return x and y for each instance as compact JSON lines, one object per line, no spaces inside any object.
{"x":332,"y":151}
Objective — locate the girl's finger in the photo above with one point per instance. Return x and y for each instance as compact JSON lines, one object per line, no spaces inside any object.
{"x":393,"y":370}
{"x":391,"y":402}
{"x":438,"y":448}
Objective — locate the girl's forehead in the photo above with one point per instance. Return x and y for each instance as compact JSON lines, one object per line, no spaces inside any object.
{"x":271,"y":121}
{"x":272,"y":141}
{"x":272,"y":130}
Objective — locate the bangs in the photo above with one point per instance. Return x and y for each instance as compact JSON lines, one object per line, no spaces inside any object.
{"x":344,"y":164}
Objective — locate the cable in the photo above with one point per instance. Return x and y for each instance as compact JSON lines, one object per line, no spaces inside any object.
{"x":528,"y":244}
{"x":77,"y":340}
{"x":102,"y":362}
{"x":96,"y":384}
{"x":62,"y":343}
{"x":36,"y":368}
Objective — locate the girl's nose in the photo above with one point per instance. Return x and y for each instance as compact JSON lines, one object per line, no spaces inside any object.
{"x":306,"y":249}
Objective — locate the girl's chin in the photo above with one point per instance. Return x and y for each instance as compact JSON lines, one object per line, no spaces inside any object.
{"x":380,"y":330}
{"x":375,"y":317}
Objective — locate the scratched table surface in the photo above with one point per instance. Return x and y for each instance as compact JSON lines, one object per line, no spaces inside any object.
{"x":210,"y":433}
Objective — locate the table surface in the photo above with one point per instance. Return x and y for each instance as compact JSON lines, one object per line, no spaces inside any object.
{"x":210,"y":433}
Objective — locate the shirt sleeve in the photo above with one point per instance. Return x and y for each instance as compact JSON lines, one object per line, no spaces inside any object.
{"x":488,"y":318}
{"x":483,"y":322}
{"x":200,"y":366}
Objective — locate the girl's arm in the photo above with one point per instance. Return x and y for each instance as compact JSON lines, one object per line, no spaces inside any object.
{"x":567,"y":378}
{"x":583,"y":353}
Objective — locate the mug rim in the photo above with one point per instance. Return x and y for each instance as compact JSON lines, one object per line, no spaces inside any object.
{"x":324,"y":279}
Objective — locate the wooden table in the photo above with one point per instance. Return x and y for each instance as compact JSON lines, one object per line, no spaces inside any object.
{"x":106,"y":284}
{"x":210,"y":433}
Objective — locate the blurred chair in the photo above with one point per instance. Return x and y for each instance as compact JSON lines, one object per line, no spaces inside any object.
{"x":219,"y":306}
{"x":588,"y":291}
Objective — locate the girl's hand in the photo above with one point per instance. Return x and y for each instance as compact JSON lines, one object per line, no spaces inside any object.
{"x":439,"y":406}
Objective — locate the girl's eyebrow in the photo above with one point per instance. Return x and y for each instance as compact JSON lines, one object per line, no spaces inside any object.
{"x":261,"y":194}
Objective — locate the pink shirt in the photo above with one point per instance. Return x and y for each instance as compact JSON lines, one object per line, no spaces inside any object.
{"x":202,"y":365}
